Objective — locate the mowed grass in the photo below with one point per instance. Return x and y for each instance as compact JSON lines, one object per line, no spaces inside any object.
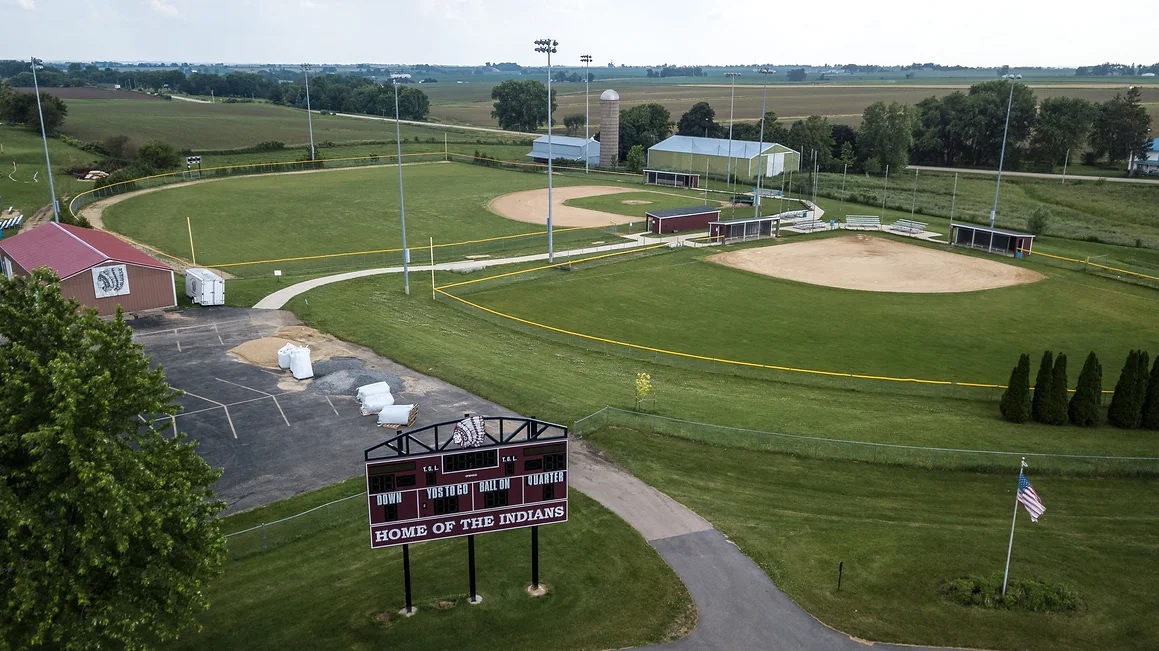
{"x":696,"y":306}
{"x":323,"y":213}
{"x":329,"y":590}
{"x":636,"y":204}
{"x":900,"y":532}
{"x":24,"y":186}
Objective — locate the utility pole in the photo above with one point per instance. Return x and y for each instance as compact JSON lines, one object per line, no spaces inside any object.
{"x":548,"y":46}
{"x":44,"y":136}
{"x":309,"y":117}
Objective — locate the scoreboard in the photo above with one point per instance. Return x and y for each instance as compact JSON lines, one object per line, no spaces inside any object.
{"x":467,"y":491}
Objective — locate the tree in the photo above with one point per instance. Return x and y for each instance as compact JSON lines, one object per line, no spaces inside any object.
{"x":700,"y":120}
{"x":644,"y":124}
{"x":119,"y":148}
{"x":636,"y":159}
{"x":108,"y":532}
{"x":1015,"y":405}
{"x":985,"y":123}
{"x":886,"y":134}
{"x":798,"y":74}
{"x":573,"y":123}
{"x":1063,"y":124}
{"x":20,"y":108}
{"x":774,"y":130}
{"x":413,"y":104}
{"x":521,"y":105}
{"x":843,"y":134}
{"x":158,"y":155}
{"x":1151,"y":399}
{"x":1038,"y":405}
{"x":1056,"y":405}
{"x":813,"y":134}
{"x":1038,"y":220}
{"x":1083,"y":409}
{"x":1126,"y":409}
{"x":1120,"y":127}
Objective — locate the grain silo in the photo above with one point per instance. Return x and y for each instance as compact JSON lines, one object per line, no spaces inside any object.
{"x":609,"y":128}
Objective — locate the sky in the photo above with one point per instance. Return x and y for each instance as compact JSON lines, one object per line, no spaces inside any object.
{"x":1058,"y":33}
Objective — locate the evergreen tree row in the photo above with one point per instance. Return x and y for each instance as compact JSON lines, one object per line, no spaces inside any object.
{"x":1134,"y":404}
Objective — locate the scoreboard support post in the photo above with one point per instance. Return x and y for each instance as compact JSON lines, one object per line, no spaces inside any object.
{"x":535,"y":558}
{"x":473,"y":596}
{"x":406,"y":578}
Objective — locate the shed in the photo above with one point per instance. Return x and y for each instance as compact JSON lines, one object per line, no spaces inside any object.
{"x":992,"y":240}
{"x":565,"y":147}
{"x":96,"y":268}
{"x":720,"y":156}
{"x":680,"y":219}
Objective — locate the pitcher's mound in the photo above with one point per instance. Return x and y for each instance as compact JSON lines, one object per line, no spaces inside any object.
{"x":877,"y":264}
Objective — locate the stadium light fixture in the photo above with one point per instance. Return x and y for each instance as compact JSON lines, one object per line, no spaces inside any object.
{"x":36,"y":63}
{"x":309,"y":118}
{"x":1002,"y":155}
{"x":731,"y":104}
{"x":587,"y":60}
{"x":401,"y":202}
{"x":765,"y":72}
{"x":548,"y":46}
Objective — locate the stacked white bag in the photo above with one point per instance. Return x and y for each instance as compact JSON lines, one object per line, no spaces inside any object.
{"x":396,"y":415}
{"x":297,"y":360}
{"x":374,"y":397}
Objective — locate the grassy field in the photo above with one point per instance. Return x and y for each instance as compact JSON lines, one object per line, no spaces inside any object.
{"x":329,"y":590}
{"x":248,"y":219}
{"x":900,"y":532}
{"x":25,"y":148}
{"x":965,"y":337}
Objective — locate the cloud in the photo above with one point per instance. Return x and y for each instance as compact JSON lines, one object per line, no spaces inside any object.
{"x":165,"y":8}
{"x":27,"y":4}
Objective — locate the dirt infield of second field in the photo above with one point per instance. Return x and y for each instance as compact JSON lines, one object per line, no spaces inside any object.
{"x":530,"y":206}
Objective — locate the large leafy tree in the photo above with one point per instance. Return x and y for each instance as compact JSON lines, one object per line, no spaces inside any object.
{"x":700,"y":120}
{"x":813,"y":134}
{"x":20,"y":108}
{"x":1063,"y":124}
{"x":644,"y":125}
{"x":1120,"y":127}
{"x":986,"y":119}
{"x":108,"y":534}
{"x":521,"y":105}
{"x":886,"y":135}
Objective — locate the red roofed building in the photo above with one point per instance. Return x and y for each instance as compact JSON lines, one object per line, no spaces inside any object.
{"x":96,"y":268}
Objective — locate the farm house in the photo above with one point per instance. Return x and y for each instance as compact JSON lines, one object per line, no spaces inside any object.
{"x":96,"y":268}
{"x":711,"y":156}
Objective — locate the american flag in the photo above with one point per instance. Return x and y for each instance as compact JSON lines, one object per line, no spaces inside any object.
{"x":1029,"y":498}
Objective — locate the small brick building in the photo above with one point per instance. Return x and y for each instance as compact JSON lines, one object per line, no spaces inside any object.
{"x":96,"y":268}
{"x":681,"y":219}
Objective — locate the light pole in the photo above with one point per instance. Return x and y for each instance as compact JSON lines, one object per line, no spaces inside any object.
{"x":587,"y":59}
{"x":309,"y":118}
{"x":761,"y":172}
{"x":44,"y":136}
{"x":731,"y":103}
{"x":1002,"y":156}
{"x":547,"y":45}
{"x":401,"y":204}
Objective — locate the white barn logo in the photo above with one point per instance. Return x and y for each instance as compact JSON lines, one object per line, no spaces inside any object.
{"x":112,"y":280}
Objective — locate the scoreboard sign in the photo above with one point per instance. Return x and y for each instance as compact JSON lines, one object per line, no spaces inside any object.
{"x":466,"y":491}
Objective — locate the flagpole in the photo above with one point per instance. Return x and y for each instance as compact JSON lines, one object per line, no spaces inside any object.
{"x":1013,"y":521}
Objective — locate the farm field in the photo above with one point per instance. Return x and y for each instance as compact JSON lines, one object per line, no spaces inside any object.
{"x":328,"y":590}
{"x":900,"y":532}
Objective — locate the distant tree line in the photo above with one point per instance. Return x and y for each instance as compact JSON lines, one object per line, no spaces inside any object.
{"x":1115,"y":69}
{"x":676,"y":71}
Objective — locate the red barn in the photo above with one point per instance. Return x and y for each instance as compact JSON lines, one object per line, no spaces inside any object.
{"x":96,"y":268}
{"x":681,"y":219}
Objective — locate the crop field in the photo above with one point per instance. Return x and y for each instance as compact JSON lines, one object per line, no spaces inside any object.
{"x":841,"y":103}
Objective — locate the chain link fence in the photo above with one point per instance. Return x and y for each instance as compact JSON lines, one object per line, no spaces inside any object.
{"x":268,"y":535}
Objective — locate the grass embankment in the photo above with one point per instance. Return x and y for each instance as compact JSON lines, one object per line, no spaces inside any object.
{"x":329,"y":590}
{"x":17,"y":187}
{"x":901,"y":532}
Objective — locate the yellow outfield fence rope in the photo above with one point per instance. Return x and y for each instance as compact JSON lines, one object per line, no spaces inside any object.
{"x":553,"y":266}
{"x":1088,"y":262}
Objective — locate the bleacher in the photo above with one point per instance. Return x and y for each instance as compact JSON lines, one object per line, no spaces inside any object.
{"x":862,"y":222}
{"x":11,"y":222}
{"x":811,"y":224}
{"x":908,"y":227}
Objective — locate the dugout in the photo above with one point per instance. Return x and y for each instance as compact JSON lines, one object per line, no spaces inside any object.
{"x":740,"y":230}
{"x":680,"y":219}
{"x":992,"y":240}
{"x":671,"y":179}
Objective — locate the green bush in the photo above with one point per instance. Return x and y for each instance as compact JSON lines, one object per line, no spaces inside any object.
{"x":1126,"y":409}
{"x":1015,"y":405}
{"x":1021,"y":594}
{"x":1151,"y":401}
{"x":1039,"y":405}
{"x":1083,"y":409}
{"x":1056,"y":406}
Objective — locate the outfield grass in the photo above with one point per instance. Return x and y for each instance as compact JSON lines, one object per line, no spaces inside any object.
{"x":616,"y":203}
{"x":262,"y":218}
{"x":326,"y":590}
{"x":25,"y":148}
{"x":900,"y":532}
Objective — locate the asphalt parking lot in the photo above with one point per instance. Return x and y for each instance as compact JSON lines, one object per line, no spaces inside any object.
{"x":273,"y":436}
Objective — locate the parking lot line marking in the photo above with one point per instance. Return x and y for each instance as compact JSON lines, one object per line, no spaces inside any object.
{"x":276,"y":403}
{"x":232,"y":404}
{"x":218,"y":332}
{"x":332,"y":406}
{"x":147,"y":333}
{"x":224,"y":407}
{"x":178,"y":340}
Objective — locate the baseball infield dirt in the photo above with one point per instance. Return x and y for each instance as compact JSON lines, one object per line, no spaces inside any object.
{"x":530,"y":206}
{"x":877,"y":264}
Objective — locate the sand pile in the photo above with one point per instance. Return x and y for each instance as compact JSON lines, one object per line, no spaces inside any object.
{"x":264,"y":352}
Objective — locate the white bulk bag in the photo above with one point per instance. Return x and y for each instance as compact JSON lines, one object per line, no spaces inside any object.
{"x":284,"y":355}
{"x":367,"y":389}
{"x":397,"y":415}
{"x":376,"y":402}
{"x":300,"y":364}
